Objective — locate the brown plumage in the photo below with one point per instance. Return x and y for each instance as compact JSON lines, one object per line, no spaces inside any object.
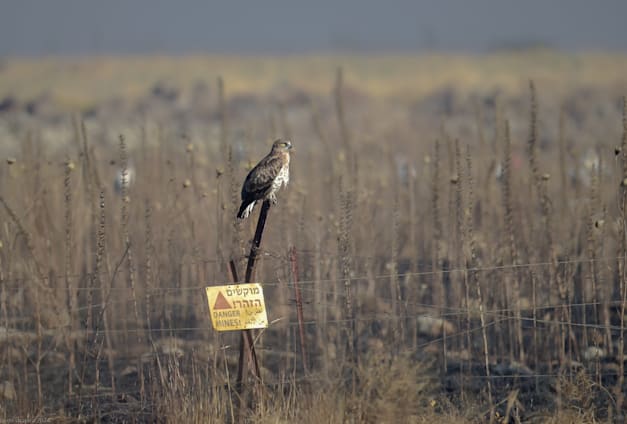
{"x":263,"y":181}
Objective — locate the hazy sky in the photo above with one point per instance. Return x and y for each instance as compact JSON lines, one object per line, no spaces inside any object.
{"x":33,"y":27}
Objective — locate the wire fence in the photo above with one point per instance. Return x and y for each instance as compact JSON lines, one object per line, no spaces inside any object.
{"x":496,"y":315}
{"x":414,"y":310}
{"x":360,"y":278}
{"x":320,"y":286}
{"x":171,"y":339}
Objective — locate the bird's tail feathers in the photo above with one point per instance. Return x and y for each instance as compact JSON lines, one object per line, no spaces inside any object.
{"x":245,"y":210}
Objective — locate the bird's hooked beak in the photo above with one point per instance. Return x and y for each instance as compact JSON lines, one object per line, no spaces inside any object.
{"x":289,"y":145}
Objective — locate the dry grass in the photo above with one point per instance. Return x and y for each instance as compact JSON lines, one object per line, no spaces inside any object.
{"x":473,"y":277}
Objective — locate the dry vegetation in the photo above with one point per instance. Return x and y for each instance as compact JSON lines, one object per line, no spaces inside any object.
{"x":459,"y":237}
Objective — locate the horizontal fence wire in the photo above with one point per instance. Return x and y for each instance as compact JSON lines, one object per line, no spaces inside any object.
{"x":444,"y":311}
{"x":383,"y":317}
{"x":329,"y":280}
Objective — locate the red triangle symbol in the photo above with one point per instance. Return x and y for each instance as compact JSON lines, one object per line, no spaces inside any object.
{"x":221,"y":302}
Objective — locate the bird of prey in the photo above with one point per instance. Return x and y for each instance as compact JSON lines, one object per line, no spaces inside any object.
{"x":265,"y":179}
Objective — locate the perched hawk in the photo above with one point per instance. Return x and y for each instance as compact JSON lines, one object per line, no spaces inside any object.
{"x":263,"y":181}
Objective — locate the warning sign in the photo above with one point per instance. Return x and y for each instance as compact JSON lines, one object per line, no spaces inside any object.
{"x":237,"y":307}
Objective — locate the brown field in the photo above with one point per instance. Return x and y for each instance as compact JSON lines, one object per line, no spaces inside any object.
{"x":459,"y":237}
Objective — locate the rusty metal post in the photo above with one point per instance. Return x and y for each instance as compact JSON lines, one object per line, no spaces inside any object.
{"x":247,"y":350}
{"x":247,"y":356}
{"x":254,"y":249}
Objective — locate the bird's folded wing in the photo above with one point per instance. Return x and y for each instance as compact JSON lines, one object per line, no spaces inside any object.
{"x":260,"y":179}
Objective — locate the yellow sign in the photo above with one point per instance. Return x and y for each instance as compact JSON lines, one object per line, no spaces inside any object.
{"x":237,"y":307}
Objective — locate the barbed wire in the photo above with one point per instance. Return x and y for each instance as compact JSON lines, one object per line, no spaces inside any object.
{"x":364,"y":278}
{"x":445,"y":312}
{"x":311,"y":286}
{"x":428,"y":376}
{"x":382,"y":317}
